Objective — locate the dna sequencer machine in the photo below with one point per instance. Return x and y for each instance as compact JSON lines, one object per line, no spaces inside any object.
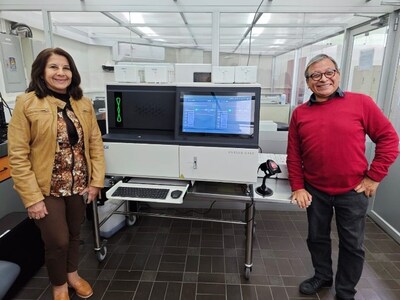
{"x":183,"y":132}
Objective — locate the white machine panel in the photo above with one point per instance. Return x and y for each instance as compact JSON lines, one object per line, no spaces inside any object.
{"x":142,"y":160}
{"x":126,"y":73}
{"x":154,"y":73}
{"x":223,"y":74}
{"x":186,"y":72}
{"x":236,"y":165}
{"x":245,"y":74}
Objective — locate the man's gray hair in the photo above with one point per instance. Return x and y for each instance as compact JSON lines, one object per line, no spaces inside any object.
{"x":318,"y":58}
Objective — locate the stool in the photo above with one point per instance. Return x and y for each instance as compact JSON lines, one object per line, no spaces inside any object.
{"x":20,"y":243}
{"x":8,"y":272}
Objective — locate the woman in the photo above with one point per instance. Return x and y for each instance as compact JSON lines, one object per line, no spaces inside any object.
{"x":57,"y":163}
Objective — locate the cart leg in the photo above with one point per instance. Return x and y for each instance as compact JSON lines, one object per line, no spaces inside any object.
{"x":248,"y":264}
{"x":130,"y":219}
{"x":99,"y":247}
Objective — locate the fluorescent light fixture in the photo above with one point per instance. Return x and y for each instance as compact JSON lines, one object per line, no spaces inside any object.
{"x":256,"y":31}
{"x":147,"y":30}
{"x":136,"y":18}
{"x":279,"y":42}
{"x":265,"y":18}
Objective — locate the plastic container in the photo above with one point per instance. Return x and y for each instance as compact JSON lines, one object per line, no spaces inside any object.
{"x":115,"y":222}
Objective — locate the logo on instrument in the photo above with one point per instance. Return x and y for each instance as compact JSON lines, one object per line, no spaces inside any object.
{"x":119,"y":121}
{"x":241,"y":152}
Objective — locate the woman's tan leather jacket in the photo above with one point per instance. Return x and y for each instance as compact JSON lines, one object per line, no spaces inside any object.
{"x":32,"y":144}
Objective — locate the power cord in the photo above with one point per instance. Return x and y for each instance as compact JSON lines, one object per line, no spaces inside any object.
{"x":251,"y":30}
{"x":247,"y":209}
{"x":5,"y":104}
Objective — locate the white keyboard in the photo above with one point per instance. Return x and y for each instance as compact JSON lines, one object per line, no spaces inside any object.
{"x":153,"y":191}
{"x":280,"y":159}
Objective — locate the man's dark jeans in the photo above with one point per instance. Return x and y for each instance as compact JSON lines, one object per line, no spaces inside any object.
{"x":350,"y":211}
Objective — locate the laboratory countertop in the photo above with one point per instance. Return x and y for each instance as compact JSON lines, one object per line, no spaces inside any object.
{"x":281,"y":191}
{"x":230,"y":191}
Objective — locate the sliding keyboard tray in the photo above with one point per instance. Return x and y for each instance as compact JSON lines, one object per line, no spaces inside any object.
{"x":158,"y":191}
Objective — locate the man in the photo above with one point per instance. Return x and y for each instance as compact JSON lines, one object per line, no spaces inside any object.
{"x":328,"y":172}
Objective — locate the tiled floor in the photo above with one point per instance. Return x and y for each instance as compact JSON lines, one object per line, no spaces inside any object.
{"x":160,"y":258}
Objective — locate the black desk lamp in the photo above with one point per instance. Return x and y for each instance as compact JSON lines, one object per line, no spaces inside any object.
{"x":270,"y":168}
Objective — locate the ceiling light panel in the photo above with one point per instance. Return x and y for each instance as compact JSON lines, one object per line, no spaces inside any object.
{"x":149,"y":18}
{"x":81,"y":17}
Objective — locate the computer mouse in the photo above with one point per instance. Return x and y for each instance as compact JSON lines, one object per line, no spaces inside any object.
{"x":176,"y":194}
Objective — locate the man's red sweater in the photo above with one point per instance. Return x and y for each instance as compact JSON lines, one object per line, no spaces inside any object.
{"x":326,"y":144}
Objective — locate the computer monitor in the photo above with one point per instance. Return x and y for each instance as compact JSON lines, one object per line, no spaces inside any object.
{"x":142,"y":109}
{"x":218,"y":114}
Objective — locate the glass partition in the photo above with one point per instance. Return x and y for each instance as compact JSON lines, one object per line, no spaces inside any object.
{"x":394,"y":114}
{"x":366,"y":61}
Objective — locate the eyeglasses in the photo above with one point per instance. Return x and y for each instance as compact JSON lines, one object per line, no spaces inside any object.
{"x":317,"y":76}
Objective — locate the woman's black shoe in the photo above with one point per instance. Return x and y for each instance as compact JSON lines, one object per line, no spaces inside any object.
{"x":313,"y":285}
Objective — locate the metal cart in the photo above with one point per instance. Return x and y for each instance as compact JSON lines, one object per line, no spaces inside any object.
{"x":209,"y":190}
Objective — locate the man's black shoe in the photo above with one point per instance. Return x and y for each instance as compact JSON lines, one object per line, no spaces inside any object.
{"x":313,"y":285}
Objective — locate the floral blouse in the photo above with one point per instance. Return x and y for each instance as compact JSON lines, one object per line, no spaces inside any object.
{"x":70,"y":170}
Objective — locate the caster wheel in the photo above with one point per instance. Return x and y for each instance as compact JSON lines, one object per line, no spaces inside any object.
{"x":101,"y":254}
{"x":247,"y":272}
{"x":131,"y":220}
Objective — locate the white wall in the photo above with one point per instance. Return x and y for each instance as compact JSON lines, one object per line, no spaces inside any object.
{"x":89,"y":60}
